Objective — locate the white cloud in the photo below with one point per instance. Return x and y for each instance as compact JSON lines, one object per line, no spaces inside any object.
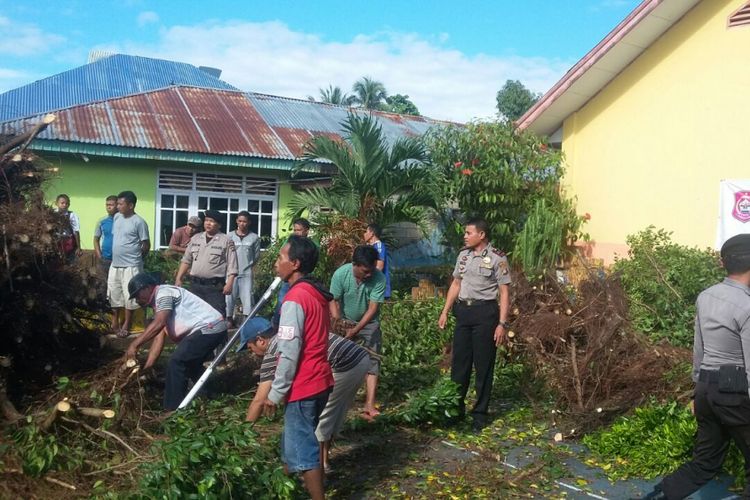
{"x":11,"y":78}
{"x":147,"y":17}
{"x":23,"y":39}
{"x":270,"y":58}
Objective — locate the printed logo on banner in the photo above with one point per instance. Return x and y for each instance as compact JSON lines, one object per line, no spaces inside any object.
{"x":741,"y":210}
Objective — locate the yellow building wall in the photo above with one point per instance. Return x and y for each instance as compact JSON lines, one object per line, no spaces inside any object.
{"x":653,"y":145}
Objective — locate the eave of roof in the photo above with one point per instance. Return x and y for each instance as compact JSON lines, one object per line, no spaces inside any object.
{"x":98,"y":150}
{"x":628,"y":40}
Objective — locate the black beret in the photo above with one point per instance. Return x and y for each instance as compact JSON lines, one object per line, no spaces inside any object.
{"x":213,"y":214}
{"x":736,"y":245}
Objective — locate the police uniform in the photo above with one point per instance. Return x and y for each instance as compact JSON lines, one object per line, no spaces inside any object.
{"x":212,"y":261}
{"x":721,"y":354}
{"x":477,"y":316}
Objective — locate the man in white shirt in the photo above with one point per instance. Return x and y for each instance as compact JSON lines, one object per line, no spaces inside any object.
{"x":197,"y":328}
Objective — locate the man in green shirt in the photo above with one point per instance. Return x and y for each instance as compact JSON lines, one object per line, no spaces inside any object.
{"x":358,"y":290}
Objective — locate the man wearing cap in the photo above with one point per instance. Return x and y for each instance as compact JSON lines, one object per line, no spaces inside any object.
{"x":349,"y":363}
{"x":247,"y":245}
{"x":480,"y":298}
{"x":180,"y":239}
{"x":212,"y":261}
{"x":721,"y":357}
{"x":187,"y":320}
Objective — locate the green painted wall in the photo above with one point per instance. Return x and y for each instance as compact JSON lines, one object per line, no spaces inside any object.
{"x":285,"y":215}
{"x":89,"y":183}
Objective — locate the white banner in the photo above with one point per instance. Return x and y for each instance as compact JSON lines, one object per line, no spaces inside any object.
{"x":734,"y":209}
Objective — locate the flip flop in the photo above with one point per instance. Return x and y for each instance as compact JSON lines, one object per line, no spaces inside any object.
{"x":372,"y":413}
{"x":366,"y":416}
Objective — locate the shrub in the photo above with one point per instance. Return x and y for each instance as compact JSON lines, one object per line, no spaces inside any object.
{"x":412,"y":345}
{"x":653,"y":441}
{"x":662,"y":281}
{"x":547,"y":236}
{"x":495,"y":171}
{"x":213,"y":453}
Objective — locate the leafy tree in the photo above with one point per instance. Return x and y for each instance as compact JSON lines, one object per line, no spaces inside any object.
{"x":399,"y":103}
{"x":513,"y":100}
{"x":494,"y":171}
{"x":333,"y":95}
{"x":372,"y":181}
{"x":369,"y":93}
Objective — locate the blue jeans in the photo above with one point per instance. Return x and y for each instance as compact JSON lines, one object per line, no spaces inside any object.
{"x":300,"y":450}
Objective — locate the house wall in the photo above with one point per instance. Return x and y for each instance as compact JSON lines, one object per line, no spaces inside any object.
{"x":653,"y":145}
{"x":89,"y":183}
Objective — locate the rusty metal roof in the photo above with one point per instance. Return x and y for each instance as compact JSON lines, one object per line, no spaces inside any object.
{"x":209,"y":121}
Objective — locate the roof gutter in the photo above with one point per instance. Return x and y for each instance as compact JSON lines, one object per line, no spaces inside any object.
{"x":592,"y":57}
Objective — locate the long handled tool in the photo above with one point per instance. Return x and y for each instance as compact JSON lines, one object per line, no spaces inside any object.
{"x":197,"y":387}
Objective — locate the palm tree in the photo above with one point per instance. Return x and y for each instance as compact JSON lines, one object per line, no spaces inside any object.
{"x":369,"y":93}
{"x":372,"y":181}
{"x":334,"y":95}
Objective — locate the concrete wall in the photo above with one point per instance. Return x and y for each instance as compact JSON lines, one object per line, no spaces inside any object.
{"x":653,"y":145}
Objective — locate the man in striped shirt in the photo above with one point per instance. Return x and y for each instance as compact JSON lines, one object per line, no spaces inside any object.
{"x":349,"y":363}
{"x":187,"y":320}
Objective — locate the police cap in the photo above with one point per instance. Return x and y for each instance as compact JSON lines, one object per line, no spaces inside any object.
{"x":213,"y":214}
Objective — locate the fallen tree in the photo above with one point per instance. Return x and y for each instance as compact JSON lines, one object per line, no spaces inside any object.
{"x":581,"y":344}
{"x":49,"y":311}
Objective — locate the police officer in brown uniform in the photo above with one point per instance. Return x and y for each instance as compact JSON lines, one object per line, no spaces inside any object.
{"x":721,"y":359}
{"x":212,"y":261}
{"x":480,"y":278}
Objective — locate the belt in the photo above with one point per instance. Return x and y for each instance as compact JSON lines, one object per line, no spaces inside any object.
{"x":207,"y":281}
{"x":709,"y":376}
{"x":476,"y":302}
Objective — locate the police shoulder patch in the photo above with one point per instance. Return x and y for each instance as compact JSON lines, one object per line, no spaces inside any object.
{"x":497,"y":252}
{"x":286,"y":333}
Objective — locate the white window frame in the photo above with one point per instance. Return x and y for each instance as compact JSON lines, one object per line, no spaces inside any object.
{"x":193,"y":195}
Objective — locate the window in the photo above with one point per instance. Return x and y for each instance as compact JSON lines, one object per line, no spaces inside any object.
{"x":183,"y":193}
{"x":740,"y":17}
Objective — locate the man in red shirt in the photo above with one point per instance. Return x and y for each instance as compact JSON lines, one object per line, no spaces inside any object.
{"x":303,"y":375}
{"x":181,"y":237}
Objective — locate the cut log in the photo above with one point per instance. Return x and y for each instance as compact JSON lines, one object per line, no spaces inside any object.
{"x":96,"y":412}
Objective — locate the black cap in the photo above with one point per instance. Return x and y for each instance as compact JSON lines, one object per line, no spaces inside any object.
{"x":736,"y":245}
{"x":140,"y":281}
{"x":213,"y":214}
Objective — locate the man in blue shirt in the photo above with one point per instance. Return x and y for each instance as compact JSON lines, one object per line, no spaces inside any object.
{"x":372,"y":237}
{"x":103,"y":236}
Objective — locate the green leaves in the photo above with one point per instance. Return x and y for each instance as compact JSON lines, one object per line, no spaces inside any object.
{"x":373,"y":180}
{"x":496,"y":172}
{"x":662,"y":281}
{"x":213,"y":453}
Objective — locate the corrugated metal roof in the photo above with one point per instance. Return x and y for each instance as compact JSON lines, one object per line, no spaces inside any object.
{"x":114,"y":76}
{"x":208,"y":121}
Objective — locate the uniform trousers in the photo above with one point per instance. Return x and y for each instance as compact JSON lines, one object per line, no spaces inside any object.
{"x":187,"y":363}
{"x":213,"y":293}
{"x":474,"y":345}
{"x":721,"y":417}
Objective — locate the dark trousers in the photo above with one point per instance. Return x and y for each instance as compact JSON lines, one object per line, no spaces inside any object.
{"x":474,"y":344}
{"x":721,"y":417}
{"x":211,"y":293}
{"x":187,"y":363}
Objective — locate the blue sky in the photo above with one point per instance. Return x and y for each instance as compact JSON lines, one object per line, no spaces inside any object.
{"x":450,"y":57}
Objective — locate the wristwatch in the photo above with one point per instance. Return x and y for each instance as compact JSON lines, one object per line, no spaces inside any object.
{"x":504,"y":324}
